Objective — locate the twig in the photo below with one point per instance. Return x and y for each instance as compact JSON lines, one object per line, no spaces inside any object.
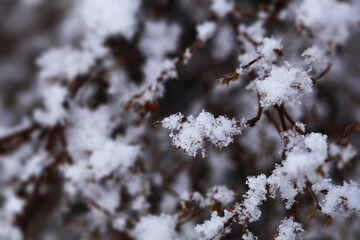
{"x":322,"y":74}
{"x":281,"y":116}
{"x":226,"y":224}
{"x":252,"y":62}
{"x":152,"y":105}
{"x":254,"y":120}
{"x":317,"y":205}
{"x":291,"y":121}
{"x":18,"y":133}
{"x":97,"y":206}
{"x":355,"y":125}
{"x":271,"y":119}
{"x":15,"y":139}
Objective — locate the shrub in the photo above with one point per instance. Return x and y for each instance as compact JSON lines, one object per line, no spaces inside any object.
{"x":271,"y":86}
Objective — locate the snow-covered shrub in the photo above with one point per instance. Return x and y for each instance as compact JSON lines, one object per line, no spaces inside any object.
{"x":259,"y":100}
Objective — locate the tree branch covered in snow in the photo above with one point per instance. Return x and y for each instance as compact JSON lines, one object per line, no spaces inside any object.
{"x":95,"y":95}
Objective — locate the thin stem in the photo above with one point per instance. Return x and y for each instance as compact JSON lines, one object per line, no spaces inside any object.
{"x":255,"y":119}
{"x":322,"y":74}
{"x":355,"y":125}
{"x":18,"y":133}
{"x":252,"y":62}
{"x":317,"y":205}
{"x":291,"y":121}
{"x":271,"y":119}
{"x":282,"y":119}
{"x":226,"y":224}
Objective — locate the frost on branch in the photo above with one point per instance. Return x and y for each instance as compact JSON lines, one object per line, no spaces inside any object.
{"x":339,"y":200}
{"x":328,"y":20}
{"x":316,"y":57}
{"x":221,"y":7}
{"x":305,"y":154}
{"x":190,"y":133}
{"x":259,"y":55}
{"x":214,"y":227}
{"x":153,"y":43}
{"x":79,"y":154}
{"x":288,"y":228}
{"x":269,"y":49}
{"x":205,"y":30}
{"x":253,"y":198}
{"x":221,"y":194}
{"x":156,"y":227}
{"x":216,"y":195}
{"x":54,"y":111}
{"x":284,"y":84}
{"x":65,"y":63}
{"x":343,"y":153}
{"x":99,"y":16}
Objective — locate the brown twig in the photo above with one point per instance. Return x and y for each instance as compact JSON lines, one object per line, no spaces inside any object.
{"x":282,"y":119}
{"x":248,"y":38}
{"x":291,"y":121}
{"x":152,"y":105}
{"x":348,"y":128}
{"x":271,"y":119}
{"x":252,"y":62}
{"x":255,"y":119}
{"x":97,"y":206}
{"x":245,"y":12}
{"x":322,"y":74}
{"x":18,"y":133}
{"x":10,"y":142}
{"x":317,"y":205}
{"x":226,"y":224}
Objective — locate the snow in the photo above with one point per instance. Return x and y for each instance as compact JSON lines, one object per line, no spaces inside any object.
{"x":121,"y":167}
{"x":221,"y":7}
{"x":266,"y":49}
{"x":110,"y":17}
{"x":35,"y":165}
{"x":140,"y":204}
{"x":9,"y":232}
{"x":328,"y":20}
{"x":253,"y":198}
{"x":194,"y":198}
{"x":255,"y":30}
{"x":106,"y":196}
{"x":345,"y":153}
{"x":159,"y":39}
{"x":222,"y":195}
{"x":317,"y":57}
{"x":216,"y":195}
{"x":13,"y":203}
{"x":223,"y":43}
{"x":64,"y":63}
{"x":305,"y":155}
{"x":152,"y":69}
{"x":210,"y":228}
{"x":119,"y":223}
{"x":284,"y":84}
{"x":288,"y":228}
{"x":96,"y":155}
{"x":190,"y":133}
{"x":278,"y":181}
{"x":113,"y":156}
{"x":54,"y":112}
{"x":341,"y":200}
{"x":206,"y":30}
{"x":156,"y":227}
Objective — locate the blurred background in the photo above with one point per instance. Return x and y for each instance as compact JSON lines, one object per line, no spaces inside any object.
{"x":29,"y":28}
